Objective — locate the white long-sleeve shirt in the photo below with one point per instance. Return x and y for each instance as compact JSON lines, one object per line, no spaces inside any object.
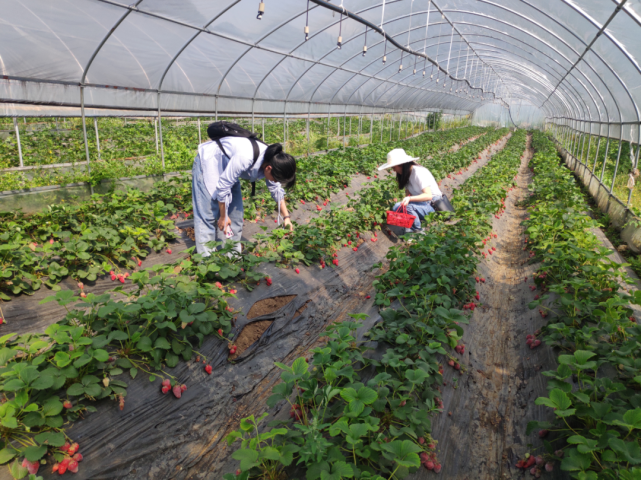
{"x":221,"y":173}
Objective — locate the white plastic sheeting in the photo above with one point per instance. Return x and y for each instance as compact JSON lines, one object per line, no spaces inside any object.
{"x":521,"y":114}
{"x":573,"y":59}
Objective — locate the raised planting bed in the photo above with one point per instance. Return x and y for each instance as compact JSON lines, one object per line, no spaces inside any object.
{"x":211,"y":405}
{"x":593,"y":387}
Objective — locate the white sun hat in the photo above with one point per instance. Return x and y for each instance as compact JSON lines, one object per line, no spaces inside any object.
{"x":397,"y":157}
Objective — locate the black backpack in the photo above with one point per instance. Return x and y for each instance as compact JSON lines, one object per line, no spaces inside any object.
{"x":222,"y":129}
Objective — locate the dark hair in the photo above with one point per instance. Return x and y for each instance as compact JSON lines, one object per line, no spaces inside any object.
{"x":404,"y":177}
{"x":283,"y":165}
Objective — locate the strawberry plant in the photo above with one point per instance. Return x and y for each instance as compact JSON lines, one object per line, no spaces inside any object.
{"x":344,"y":424}
{"x":593,"y":392}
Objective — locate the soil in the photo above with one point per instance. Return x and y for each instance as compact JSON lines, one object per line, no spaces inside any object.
{"x":250,"y":334}
{"x":268,"y":305}
{"x":487,"y":407}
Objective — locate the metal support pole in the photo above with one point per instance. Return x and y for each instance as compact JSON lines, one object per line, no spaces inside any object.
{"x":382,"y":120}
{"x":263,"y":122}
{"x":199,"y":135}
{"x":636,"y":161}
{"x":616,"y":165}
{"x":605,"y":155}
{"x":328,"y":118}
{"x":391,"y":128}
{"x":95,"y":125}
{"x":15,"y":124}
{"x":84,"y":132}
{"x":371,"y":129}
{"x":285,"y":128}
{"x":400,"y":125}
{"x":307,"y":129}
{"x":596,"y":155}
{"x":156,"y":131}
{"x":345,"y":124}
{"x":583,"y":146}
{"x":162,"y":148}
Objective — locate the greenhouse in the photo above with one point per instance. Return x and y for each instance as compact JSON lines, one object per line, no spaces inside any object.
{"x":438,"y":276}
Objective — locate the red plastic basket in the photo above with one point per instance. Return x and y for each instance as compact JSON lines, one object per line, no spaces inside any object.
{"x":400,"y":218}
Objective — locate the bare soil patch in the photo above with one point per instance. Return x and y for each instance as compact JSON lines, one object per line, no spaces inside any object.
{"x":268,"y":305}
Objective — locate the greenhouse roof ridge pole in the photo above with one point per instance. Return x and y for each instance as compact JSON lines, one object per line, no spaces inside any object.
{"x":589,"y":46}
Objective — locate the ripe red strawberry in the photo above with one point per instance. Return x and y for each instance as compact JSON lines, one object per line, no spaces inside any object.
{"x":450,"y":363}
{"x":368,"y":297}
{"x":139,"y":263}
{"x":543,"y":433}
{"x":208,"y":369}
{"x":549,"y":466}
{"x":477,"y":279}
{"x":297,"y":270}
{"x":183,"y":388}
{"x":482,"y":280}
{"x":73,"y":466}
{"x":238,"y":472}
{"x":65,"y":447}
{"x":437,"y":468}
{"x":113,"y":278}
{"x":220,"y":332}
{"x":2,"y":320}
{"x":169,"y":251}
{"x":477,"y":296}
{"x":165,"y":389}
{"x":457,"y":366}
{"x":355,"y":249}
{"x":302,"y":201}
{"x":67,"y":404}
{"x":51,"y":240}
{"x":421,"y":440}
{"x":55,"y":468}
{"x":166,"y":383}
{"x":349,"y":242}
{"x":177,"y":391}
{"x":83,"y":295}
{"x":122,"y":279}
{"x":73,"y":449}
{"x":335,"y":262}
{"x":81,"y":285}
{"x":78,"y":457}
{"x":494,"y":249}
{"x":269,"y":281}
{"x":373,"y":239}
{"x":429,"y":465}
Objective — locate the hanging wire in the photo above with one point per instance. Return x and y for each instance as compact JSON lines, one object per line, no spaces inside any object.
{"x":383,"y":29}
{"x":340,"y":30}
{"x":261,"y":10}
{"x":427,"y":26}
{"x":385,"y":50}
{"x":364,"y":46}
{"x":409,"y":31}
{"x":438,"y":48}
{"x":307,"y":22}
{"x":449,"y":54}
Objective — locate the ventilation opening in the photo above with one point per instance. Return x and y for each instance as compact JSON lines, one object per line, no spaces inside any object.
{"x":268,"y":305}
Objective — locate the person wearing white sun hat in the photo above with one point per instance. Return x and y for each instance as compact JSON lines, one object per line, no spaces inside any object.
{"x":420,"y":186}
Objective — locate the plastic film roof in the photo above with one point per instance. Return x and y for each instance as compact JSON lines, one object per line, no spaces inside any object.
{"x":576,"y":59}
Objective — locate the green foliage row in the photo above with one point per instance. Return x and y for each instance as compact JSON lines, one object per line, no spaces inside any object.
{"x":595,"y":390}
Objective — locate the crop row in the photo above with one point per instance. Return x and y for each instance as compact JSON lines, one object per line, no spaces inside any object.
{"x":354,"y":414}
{"x":85,"y":355}
{"x":132,"y":148}
{"x":118,"y":230}
{"x":594,"y":392}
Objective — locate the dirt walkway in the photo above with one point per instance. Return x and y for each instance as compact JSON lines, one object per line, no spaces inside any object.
{"x":481,"y":433}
